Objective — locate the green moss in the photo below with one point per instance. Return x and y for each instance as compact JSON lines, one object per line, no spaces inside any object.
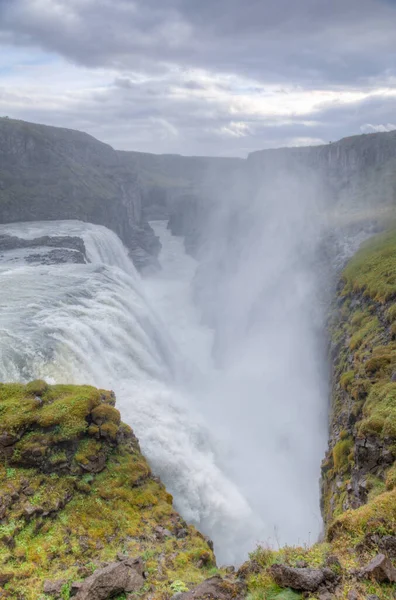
{"x":347,"y":380}
{"x":390,"y":480}
{"x":369,"y":325}
{"x":105,"y":413}
{"x":379,"y":411}
{"x":37,"y":387}
{"x":391,"y":313}
{"x":93,"y":516}
{"x":373,"y":269}
{"x":341,"y":452}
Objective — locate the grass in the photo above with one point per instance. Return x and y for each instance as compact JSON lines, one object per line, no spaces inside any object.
{"x":373,"y":269}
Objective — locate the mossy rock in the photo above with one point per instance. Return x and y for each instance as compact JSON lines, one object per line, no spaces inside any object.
{"x":75,"y":491}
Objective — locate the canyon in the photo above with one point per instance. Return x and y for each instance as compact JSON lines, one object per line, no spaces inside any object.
{"x":249,"y":343}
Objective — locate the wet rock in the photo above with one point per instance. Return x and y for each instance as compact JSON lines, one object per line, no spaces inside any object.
{"x":306,"y":579}
{"x":116,"y":578}
{"x":57,"y":256}
{"x":215,"y":588}
{"x":380,"y":569}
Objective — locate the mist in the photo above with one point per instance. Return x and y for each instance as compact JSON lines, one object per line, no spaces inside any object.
{"x":260,"y":285}
{"x":218,"y":360}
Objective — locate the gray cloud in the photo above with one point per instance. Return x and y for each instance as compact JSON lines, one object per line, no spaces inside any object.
{"x":199,"y":76}
{"x":312,"y":41}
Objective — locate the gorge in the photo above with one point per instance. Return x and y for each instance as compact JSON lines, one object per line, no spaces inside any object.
{"x":218,"y":351}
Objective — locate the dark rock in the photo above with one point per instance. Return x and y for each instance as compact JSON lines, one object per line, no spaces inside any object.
{"x":306,"y":579}
{"x":31,"y":511}
{"x":215,"y":588}
{"x":388,"y":545}
{"x":380,"y":569}
{"x":5,"y":578}
{"x":333,"y":563}
{"x":53,"y":588}
{"x":162,"y":533}
{"x":56,"y":257}
{"x":249,"y":567}
{"x":116,"y":578}
{"x":75,"y":588}
{"x":325,"y":595}
{"x":209,"y":542}
{"x":9,"y":541}
{"x":181,"y":533}
{"x":95,"y":464}
{"x":8,"y":439}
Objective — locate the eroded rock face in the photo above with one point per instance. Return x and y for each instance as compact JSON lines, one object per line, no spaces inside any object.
{"x":361,"y":453}
{"x":50,"y":173}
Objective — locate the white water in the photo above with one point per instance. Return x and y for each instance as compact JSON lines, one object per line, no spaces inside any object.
{"x":94,"y":324}
{"x":233,"y":445}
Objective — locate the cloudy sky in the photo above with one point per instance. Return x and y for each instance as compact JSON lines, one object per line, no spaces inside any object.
{"x":213,"y":77}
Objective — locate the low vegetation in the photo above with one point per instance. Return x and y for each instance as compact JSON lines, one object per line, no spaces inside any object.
{"x":75,"y":491}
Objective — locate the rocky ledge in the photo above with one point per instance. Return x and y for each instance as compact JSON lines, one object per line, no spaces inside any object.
{"x":76,"y":495}
{"x":48,"y":250}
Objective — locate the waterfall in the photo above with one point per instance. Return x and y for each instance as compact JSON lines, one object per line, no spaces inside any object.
{"x":99,"y":323}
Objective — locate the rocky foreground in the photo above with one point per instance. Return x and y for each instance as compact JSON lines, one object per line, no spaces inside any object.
{"x":81,"y":514}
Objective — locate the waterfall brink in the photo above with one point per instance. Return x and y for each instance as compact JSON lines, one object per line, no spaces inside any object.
{"x":95,"y":323}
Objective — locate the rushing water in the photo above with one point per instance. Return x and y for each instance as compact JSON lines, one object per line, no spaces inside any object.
{"x":208,"y":431}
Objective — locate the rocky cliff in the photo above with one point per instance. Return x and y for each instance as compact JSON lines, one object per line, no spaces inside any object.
{"x":48,"y":173}
{"x":360,"y":463}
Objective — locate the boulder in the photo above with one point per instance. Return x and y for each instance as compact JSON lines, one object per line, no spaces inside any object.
{"x":215,"y":588}
{"x":388,"y":545}
{"x":302,"y":579}
{"x":380,"y":569}
{"x":117,"y":578}
{"x":53,"y":588}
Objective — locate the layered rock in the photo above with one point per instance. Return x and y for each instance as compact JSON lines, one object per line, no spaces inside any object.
{"x":52,"y":250}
